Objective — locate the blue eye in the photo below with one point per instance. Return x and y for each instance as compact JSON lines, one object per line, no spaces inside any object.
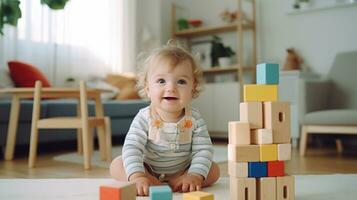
{"x":182,"y":82}
{"x":161,"y":81}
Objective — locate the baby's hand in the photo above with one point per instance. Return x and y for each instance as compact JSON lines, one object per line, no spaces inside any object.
{"x":187,"y":183}
{"x":143,"y":182}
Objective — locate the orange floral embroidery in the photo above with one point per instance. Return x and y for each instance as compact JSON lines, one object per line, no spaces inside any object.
{"x":157,"y":123}
{"x":187,"y":123}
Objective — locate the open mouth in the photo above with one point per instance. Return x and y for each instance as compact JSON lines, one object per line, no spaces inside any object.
{"x":170,"y":98}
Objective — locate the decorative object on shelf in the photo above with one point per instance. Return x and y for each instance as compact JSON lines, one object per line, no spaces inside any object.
{"x":293,"y":60}
{"x":70,"y":82}
{"x":302,"y":4}
{"x":182,"y":24}
{"x":10,"y":11}
{"x":218,"y":50}
{"x":195,"y":22}
{"x":231,"y":17}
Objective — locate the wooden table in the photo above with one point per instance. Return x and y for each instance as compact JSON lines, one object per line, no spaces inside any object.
{"x":25,"y":93}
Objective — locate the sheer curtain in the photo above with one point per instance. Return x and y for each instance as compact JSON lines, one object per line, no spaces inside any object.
{"x":88,"y":37}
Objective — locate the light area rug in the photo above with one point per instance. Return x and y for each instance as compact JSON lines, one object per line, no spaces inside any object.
{"x":307,"y":187}
{"x":220,"y":155}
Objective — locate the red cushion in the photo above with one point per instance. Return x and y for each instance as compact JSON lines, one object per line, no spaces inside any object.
{"x":25,"y":75}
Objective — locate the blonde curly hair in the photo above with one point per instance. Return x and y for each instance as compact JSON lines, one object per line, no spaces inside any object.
{"x":175,"y":55}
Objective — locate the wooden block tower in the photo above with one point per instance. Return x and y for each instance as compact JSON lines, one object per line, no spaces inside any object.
{"x":259,"y":143}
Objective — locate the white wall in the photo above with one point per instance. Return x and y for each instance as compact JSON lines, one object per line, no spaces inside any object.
{"x":318,"y":35}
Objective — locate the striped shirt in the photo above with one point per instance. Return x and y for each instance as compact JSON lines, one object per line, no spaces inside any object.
{"x":172,"y":153}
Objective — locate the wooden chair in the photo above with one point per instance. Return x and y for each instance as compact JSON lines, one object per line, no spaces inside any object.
{"x":82,"y":122}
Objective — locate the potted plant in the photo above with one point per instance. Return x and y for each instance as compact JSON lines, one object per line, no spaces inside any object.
{"x":220,"y":52}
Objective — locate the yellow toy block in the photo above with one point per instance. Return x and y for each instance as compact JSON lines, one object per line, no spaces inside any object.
{"x":251,"y":112}
{"x":243,"y":153}
{"x":242,"y":188}
{"x":266,"y":188}
{"x":117,"y":190}
{"x":238,"y":132}
{"x":198,"y":195}
{"x":261,"y":136}
{"x":260,"y":93}
{"x":284,"y":151}
{"x":238,"y":169}
{"x":268,"y":152}
{"x":285,"y":188}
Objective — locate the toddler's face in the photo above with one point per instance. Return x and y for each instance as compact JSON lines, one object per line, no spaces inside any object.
{"x":170,"y":88}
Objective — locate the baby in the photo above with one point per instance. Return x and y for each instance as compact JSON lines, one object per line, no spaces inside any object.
{"x":168,"y":141}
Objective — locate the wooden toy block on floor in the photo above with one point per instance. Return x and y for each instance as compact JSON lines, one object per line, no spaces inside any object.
{"x":251,"y":112}
{"x":285,"y":188}
{"x":238,"y":132}
{"x":198,"y":195}
{"x":277,"y":118}
{"x":260,"y":93}
{"x":268,"y":152}
{"x":243,"y":153}
{"x":276,"y":168}
{"x":267,"y":73}
{"x":266,"y":188}
{"x":238,"y":169}
{"x":261,"y":136}
{"x":117,"y":191}
{"x":284,"y":151}
{"x":257,"y":169}
{"x":242,"y":188}
{"x":161,"y":192}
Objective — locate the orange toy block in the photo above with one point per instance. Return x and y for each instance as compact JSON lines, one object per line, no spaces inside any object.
{"x":260,"y":93}
{"x":285,"y":188}
{"x":242,"y":188}
{"x":268,"y":152}
{"x":117,"y":191}
{"x":275,"y":168}
{"x":284,"y":151}
{"x":251,"y":112}
{"x":243,"y":153}
{"x":238,"y":133}
{"x":277,"y":118}
{"x":261,"y":136}
{"x":198,"y":195}
{"x":238,"y":169}
{"x":266,"y":188}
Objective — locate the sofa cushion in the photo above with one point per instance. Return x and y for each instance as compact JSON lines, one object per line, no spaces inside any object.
{"x":25,"y":114}
{"x":123,"y":108}
{"x":25,"y":75}
{"x":331,"y":117}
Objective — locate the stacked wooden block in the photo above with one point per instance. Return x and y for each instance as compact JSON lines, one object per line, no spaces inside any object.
{"x":259,"y":143}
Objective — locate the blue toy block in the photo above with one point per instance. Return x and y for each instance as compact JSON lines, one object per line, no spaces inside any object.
{"x":257,"y":169}
{"x":267,"y":73}
{"x":162,"y":192}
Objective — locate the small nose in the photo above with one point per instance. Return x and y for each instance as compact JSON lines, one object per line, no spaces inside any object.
{"x":171,"y":87}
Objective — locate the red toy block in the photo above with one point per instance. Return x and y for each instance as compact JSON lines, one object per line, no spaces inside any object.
{"x":117,"y":191}
{"x":276,"y":168}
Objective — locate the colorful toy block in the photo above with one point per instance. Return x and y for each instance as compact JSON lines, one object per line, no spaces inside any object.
{"x":268,"y":152}
{"x":284,"y":151}
{"x":242,"y":188}
{"x":277,"y":118}
{"x":198,"y":195}
{"x":251,"y":112}
{"x":243,"y":153}
{"x":267,"y":73}
{"x":276,"y":168}
{"x":257,"y":169}
{"x":161,"y":192}
{"x":260,"y":93}
{"x":285,"y":188}
{"x":117,"y":191}
{"x":266,"y":188}
{"x":261,"y":136}
{"x":238,"y":133}
{"x":238,"y":169}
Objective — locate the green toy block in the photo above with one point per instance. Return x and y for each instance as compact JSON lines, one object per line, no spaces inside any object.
{"x":162,"y":192}
{"x":268,"y":73}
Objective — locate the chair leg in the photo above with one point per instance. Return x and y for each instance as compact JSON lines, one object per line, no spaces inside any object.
{"x":86,"y":147}
{"x":33,"y":147}
{"x":102,"y":141}
{"x":108,"y":139}
{"x":339,"y":146}
{"x":34,"y":128}
{"x":79,"y":142}
{"x":303,"y":141}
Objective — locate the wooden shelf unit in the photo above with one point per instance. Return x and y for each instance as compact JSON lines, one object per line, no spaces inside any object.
{"x":239,"y":26}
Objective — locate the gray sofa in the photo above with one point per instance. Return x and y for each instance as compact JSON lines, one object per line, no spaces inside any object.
{"x":121,"y":114}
